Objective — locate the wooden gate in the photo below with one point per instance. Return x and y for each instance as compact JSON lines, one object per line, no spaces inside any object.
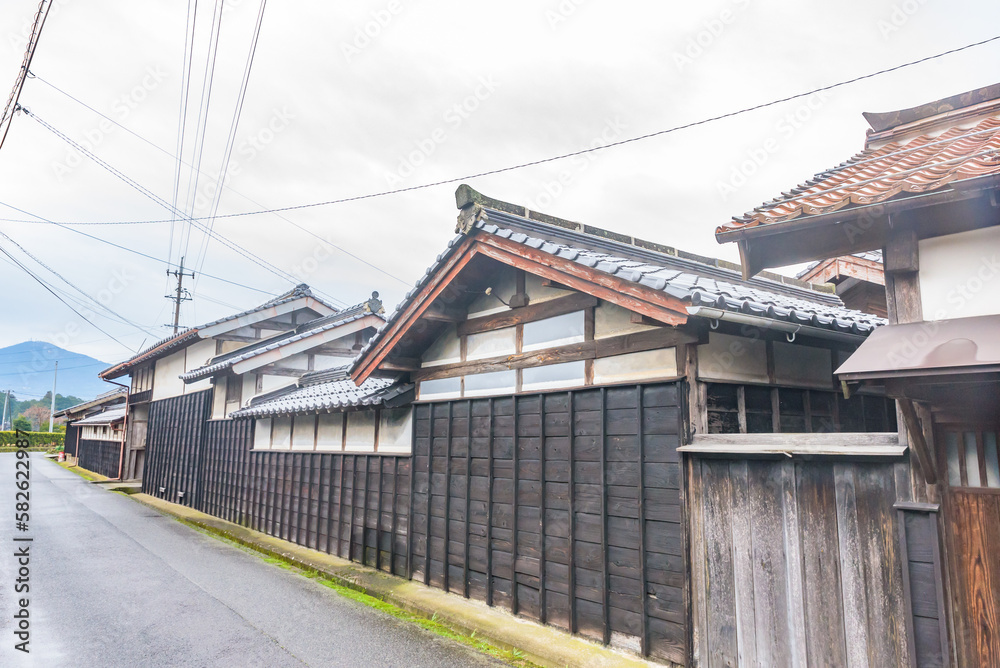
{"x":973,"y":530}
{"x":563,"y":507}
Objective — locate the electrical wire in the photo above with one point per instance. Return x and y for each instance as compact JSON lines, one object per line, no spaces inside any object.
{"x":132,"y":250}
{"x":594,"y":149}
{"x":228,"y":187}
{"x":29,"y":54}
{"x":189,"y":31}
{"x":120,"y":317}
{"x":67,"y":304}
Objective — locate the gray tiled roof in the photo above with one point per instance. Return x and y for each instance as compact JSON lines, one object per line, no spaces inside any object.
{"x":690,"y":281}
{"x":185,"y":335}
{"x":320,"y":391}
{"x":110,"y":397}
{"x":107,"y":417}
{"x":303,"y":331}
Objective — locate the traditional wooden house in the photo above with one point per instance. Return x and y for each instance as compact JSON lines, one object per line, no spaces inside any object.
{"x":95,"y":451}
{"x":858,"y":279}
{"x":561,"y":420}
{"x":924,"y":191}
{"x":157,"y":389}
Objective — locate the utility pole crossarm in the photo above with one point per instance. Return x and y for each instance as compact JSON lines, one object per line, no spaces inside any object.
{"x":180,"y":294}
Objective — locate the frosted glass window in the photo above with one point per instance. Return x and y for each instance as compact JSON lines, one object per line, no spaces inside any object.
{"x":951,"y":444}
{"x":442,"y":388}
{"x":491,"y":344}
{"x":496,"y":382}
{"x":557,"y":331}
{"x":568,"y":374}
{"x":971,"y":459}
{"x":992,"y":464}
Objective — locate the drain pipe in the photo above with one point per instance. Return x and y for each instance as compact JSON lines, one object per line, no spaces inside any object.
{"x":121,"y":451}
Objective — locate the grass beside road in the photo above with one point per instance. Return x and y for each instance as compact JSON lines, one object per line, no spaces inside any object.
{"x":83,"y":473}
{"x":513,"y":657}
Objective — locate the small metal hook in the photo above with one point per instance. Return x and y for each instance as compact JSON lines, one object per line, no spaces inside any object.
{"x":714,"y":324}
{"x":791,"y":336}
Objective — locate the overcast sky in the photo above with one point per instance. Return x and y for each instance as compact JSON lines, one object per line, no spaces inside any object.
{"x":346,"y":99}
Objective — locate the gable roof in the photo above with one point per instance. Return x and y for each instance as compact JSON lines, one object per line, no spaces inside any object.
{"x":109,"y":416}
{"x":371,"y":308}
{"x":325,"y":391}
{"x":939,"y":152}
{"x":639,"y":275}
{"x":186,"y":336}
{"x":117,"y":395}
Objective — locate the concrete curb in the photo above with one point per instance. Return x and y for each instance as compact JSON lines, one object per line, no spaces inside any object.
{"x":543,"y":645}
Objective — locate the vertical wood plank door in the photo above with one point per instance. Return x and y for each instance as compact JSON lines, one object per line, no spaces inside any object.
{"x":974,"y":533}
{"x":563,"y":507}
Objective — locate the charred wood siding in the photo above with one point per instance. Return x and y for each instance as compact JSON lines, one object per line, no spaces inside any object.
{"x":70,"y":442}
{"x":563,"y":507}
{"x":100,"y":456}
{"x":796,"y":563}
{"x":923,"y":587}
{"x":174,"y":447}
{"x":354,"y":506}
{"x":225,"y":468}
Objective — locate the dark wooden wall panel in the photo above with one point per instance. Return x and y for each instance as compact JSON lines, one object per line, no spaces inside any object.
{"x":802,"y":564}
{"x":563,"y":507}
{"x":100,"y":456}
{"x":354,"y":506}
{"x":923,"y":587}
{"x":225,"y":468}
{"x":70,"y":442}
{"x":174,"y":447}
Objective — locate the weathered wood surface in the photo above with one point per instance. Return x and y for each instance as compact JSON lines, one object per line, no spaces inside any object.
{"x":509,"y":491}
{"x":174,"y":447}
{"x":100,"y":456}
{"x":975,"y":563}
{"x":801,"y":564}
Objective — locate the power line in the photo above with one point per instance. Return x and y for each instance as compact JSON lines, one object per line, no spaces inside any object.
{"x":67,"y":304}
{"x":178,"y":157}
{"x":29,"y":54}
{"x":594,"y":149}
{"x":231,"y":138}
{"x":189,"y":32}
{"x":131,"y":250}
{"x":157,"y":199}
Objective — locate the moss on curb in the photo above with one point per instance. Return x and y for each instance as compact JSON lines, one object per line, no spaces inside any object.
{"x":83,"y":473}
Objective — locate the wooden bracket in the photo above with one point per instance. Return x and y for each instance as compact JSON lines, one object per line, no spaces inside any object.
{"x":918,"y":443}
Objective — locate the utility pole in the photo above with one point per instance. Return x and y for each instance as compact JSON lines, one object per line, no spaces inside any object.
{"x":6,"y":402}
{"x":52,"y":411}
{"x":180,"y":294}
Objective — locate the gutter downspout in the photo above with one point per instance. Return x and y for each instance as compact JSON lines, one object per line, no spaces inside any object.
{"x":121,"y":451}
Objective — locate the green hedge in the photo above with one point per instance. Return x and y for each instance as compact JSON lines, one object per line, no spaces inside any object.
{"x":35,"y":438}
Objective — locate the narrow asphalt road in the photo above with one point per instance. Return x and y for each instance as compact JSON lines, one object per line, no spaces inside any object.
{"x":114,"y":583}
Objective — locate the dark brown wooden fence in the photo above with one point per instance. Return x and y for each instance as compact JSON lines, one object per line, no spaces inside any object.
{"x":563,"y":507}
{"x":70,"y":442}
{"x":796,"y":563}
{"x":173,"y":447}
{"x":100,"y":456}
{"x":225,"y":468}
{"x":354,"y":506}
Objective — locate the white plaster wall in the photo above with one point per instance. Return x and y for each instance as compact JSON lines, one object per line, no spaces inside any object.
{"x":613,"y":320}
{"x":661,"y":363}
{"x":303,"y":432}
{"x":219,"y":398}
{"x":360,"y":431}
{"x":960,"y":274}
{"x":166,"y":381}
{"x":395,"y":430}
{"x":262,"y":434}
{"x":733,"y":358}
{"x":330,"y":432}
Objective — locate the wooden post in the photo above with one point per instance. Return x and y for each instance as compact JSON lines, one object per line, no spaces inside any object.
{"x":513,"y":538}
{"x":468,"y":499}
{"x":605,"y":588}
{"x":644,"y":637}
{"x":572,"y":517}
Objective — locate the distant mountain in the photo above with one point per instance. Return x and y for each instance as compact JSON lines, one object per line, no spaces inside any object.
{"x":26,"y":368}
